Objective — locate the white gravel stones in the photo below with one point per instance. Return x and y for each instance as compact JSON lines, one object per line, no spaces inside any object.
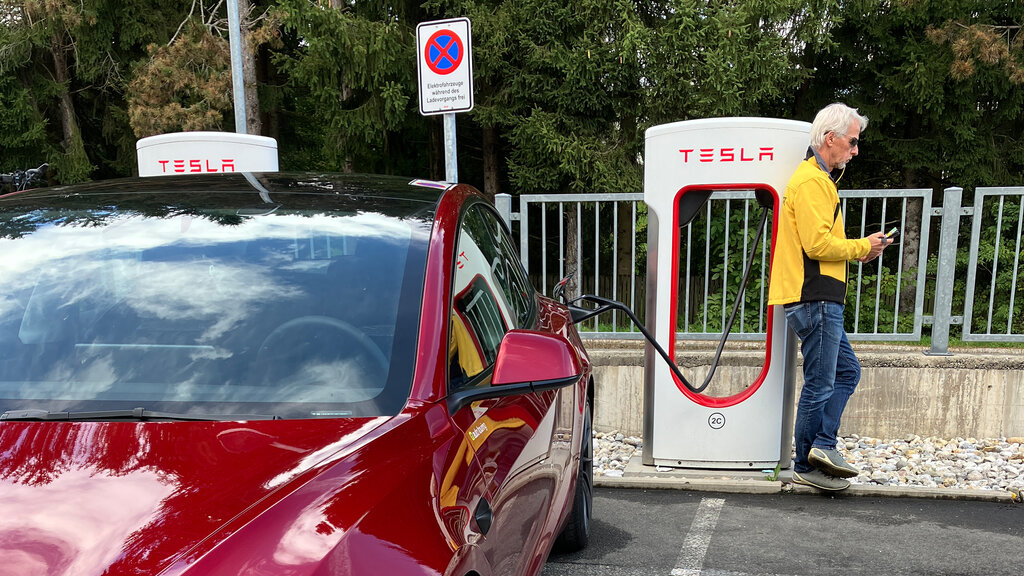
{"x":964,"y":463}
{"x":612,"y":452}
{"x":913,"y":461}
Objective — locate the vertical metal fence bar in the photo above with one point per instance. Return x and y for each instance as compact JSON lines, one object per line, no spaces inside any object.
{"x":597,"y":258}
{"x":579,"y":247}
{"x":632,"y":271}
{"x":1016,"y":267}
{"x":995,"y":265}
{"x":860,"y":265}
{"x":686,"y":279}
{"x":899,"y":269}
{"x":945,"y":274}
{"x":544,"y":247}
{"x":561,"y":241}
{"x":922,"y":262}
{"x":503,"y":203}
{"x":725,"y":263}
{"x":764,"y":255}
{"x":743,"y":263}
{"x":524,"y":233}
{"x":878,"y":283}
{"x":615,"y":263}
{"x":968,"y":313}
{"x":707,"y":262}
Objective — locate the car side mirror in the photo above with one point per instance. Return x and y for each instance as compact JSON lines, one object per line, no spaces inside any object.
{"x":528,"y":356}
{"x":527,"y":362}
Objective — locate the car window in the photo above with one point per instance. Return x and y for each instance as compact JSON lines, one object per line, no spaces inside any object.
{"x":295,"y":314}
{"x":490,"y":295}
{"x":513,"y":280}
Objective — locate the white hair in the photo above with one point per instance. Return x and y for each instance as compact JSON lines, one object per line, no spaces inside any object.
{"x":836,"y":118}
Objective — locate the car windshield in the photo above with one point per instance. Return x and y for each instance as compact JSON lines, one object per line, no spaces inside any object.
{"x":213,"y":309}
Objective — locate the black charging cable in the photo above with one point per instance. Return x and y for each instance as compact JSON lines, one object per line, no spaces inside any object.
{"x":579,"y":314}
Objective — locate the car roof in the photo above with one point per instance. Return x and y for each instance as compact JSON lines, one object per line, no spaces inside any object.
{"x":390,"y":195}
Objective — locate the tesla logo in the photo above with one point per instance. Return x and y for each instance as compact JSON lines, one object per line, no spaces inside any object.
{"x":182,"y":166}
{"x":743,"y":154}
{"x":716,"y":420}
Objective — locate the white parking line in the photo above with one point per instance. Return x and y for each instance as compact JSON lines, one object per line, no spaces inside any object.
{"x":695,"y":546}
{"x":731,"y":573}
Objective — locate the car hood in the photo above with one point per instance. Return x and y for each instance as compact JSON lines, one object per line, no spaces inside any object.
{"x":133,"y":498}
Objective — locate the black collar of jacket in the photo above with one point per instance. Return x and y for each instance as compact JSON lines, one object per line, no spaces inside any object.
{"x":821,"y":163}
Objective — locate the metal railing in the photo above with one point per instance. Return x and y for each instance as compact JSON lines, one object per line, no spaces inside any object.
{"x":602,"y":238}
{"x":995,"y":258}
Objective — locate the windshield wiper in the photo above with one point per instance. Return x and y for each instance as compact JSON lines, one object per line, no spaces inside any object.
{"x":134,"y":414}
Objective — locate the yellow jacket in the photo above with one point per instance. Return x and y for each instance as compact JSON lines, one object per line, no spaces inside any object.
{"x":811,"y":248}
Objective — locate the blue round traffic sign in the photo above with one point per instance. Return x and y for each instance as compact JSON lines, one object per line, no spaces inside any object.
{"x":444,"y":51}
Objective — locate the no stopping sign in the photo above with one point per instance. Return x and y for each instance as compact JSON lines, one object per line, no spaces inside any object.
{"x":444,"y":66}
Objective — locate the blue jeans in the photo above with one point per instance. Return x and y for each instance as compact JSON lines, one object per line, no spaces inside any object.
{"x":831,"y":373}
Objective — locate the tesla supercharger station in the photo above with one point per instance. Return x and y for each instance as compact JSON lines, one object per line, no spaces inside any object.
{"x":684,"y":163}
{"x":204,"y":153}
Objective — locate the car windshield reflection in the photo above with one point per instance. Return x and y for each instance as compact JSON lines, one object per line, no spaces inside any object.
{"x":296,"y":314}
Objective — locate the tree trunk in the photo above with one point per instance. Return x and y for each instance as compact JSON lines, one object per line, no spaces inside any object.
{"x":491,"y":187}
{"x":273,"y":114}
{"x":910,"y":241}
{"x":573,"y":259}
{"x":348,"y":166}
{"x":437,"y":167}
{"x":68,"y":121}
{"x":74,"y":166}
{"x":624,"y":266}
{"x":253,"y":123}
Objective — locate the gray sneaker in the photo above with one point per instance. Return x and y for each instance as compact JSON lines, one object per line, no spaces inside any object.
{"x":819,"y":479}
{"x":831,"y":462}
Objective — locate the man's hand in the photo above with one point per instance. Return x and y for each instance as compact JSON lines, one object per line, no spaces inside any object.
{"x":878,"y":242}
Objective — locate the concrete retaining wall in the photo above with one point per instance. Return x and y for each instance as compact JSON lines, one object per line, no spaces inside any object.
{"x":972,"y":394}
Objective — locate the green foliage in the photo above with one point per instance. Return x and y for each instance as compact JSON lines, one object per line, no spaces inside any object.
{"x":872,"y":305}
{"x":942,"y":84}
{"x":63,"y":68}
{"x":569,"y":88}
{"x":714,"y":59}
{"x":184,"y":86}
{"x":351,"y":80}
{"x":564,"y":91}
{"x":22,"y":128}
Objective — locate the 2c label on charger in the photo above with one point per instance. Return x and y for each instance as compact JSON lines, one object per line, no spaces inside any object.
{"x":716,"y":420}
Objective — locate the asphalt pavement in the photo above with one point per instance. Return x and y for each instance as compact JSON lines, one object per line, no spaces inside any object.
{"x":700,"y":532}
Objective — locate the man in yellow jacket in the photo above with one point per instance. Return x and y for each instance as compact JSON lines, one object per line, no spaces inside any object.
{"x":808,"y":276}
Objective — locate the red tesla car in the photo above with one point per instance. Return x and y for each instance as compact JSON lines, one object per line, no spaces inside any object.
{"x":282,"y":374}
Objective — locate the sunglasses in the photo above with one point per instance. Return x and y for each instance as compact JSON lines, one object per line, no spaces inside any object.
{"x":853,"y":141}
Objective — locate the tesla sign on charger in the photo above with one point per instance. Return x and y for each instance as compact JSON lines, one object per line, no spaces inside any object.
{"x":205,"y":152}
{"x":444,"y":66}
{"x":686,"y":163}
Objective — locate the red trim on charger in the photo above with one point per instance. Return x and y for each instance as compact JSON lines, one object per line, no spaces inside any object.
{"x":709,"y":401}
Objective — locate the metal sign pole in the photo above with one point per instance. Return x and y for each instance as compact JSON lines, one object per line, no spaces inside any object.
{"x":237,"y":82}
{"x":444,"y":70}
{"x":451,"y":160}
